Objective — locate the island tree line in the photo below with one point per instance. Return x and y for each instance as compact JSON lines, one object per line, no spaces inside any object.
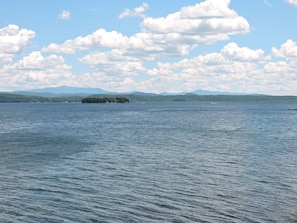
{"x":106,"y":100}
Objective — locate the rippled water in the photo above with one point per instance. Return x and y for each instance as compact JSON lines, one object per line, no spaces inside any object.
{"x":171,"y":162}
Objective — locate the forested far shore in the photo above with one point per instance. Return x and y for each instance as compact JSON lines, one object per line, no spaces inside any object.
{"x":134,"y":98}
{"x":19,"y":98}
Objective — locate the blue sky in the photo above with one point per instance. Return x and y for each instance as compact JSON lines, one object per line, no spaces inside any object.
{"x":181,"y":46}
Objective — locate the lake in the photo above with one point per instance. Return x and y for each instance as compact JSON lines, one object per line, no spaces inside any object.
{"x":150,"y":162}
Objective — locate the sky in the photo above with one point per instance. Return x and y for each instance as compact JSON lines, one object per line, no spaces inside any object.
{"x":150,"y":46}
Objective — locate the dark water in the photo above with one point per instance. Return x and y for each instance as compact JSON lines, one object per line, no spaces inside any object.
{"x":172,"y":162}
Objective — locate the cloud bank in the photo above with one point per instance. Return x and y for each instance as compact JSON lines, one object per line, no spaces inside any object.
{"x":173,"y":35}
{"x":156,"y":59}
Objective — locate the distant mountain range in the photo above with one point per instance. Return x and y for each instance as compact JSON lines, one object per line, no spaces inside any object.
{"x":205,"y":92}
{"x":63,"y":90}
{"x":66,"y":90}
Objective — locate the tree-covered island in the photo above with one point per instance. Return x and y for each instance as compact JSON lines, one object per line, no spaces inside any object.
{"x":105,"y":100}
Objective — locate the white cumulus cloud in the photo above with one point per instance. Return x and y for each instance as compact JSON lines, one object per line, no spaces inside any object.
{"x":292,"y":2}
{"x":208,"y":9}
{"x":35,"y":71}
{"x":65,"y":14}
{"x":287,"y":49}
{"x":12,"y":41}
{"x":136,"y":12}
{"x":233,"y":52}
{"x":210,"y":17}
{"x":99,"y":39}
{"x":114,"y":63}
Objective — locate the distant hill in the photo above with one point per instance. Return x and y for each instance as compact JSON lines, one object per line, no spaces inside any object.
{"x":202,"y":92}
{"x":143,"y":93}
{"x":63,"y":90}
{"x":205,"y":92}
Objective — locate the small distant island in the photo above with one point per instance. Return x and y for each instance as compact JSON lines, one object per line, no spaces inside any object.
{"x":105,"y":100}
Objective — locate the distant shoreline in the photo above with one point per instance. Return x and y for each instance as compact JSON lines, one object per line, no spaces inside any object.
{"x":10,"y":97}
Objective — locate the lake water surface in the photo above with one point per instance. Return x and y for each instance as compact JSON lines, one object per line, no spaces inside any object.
{"x":153,"y":162}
